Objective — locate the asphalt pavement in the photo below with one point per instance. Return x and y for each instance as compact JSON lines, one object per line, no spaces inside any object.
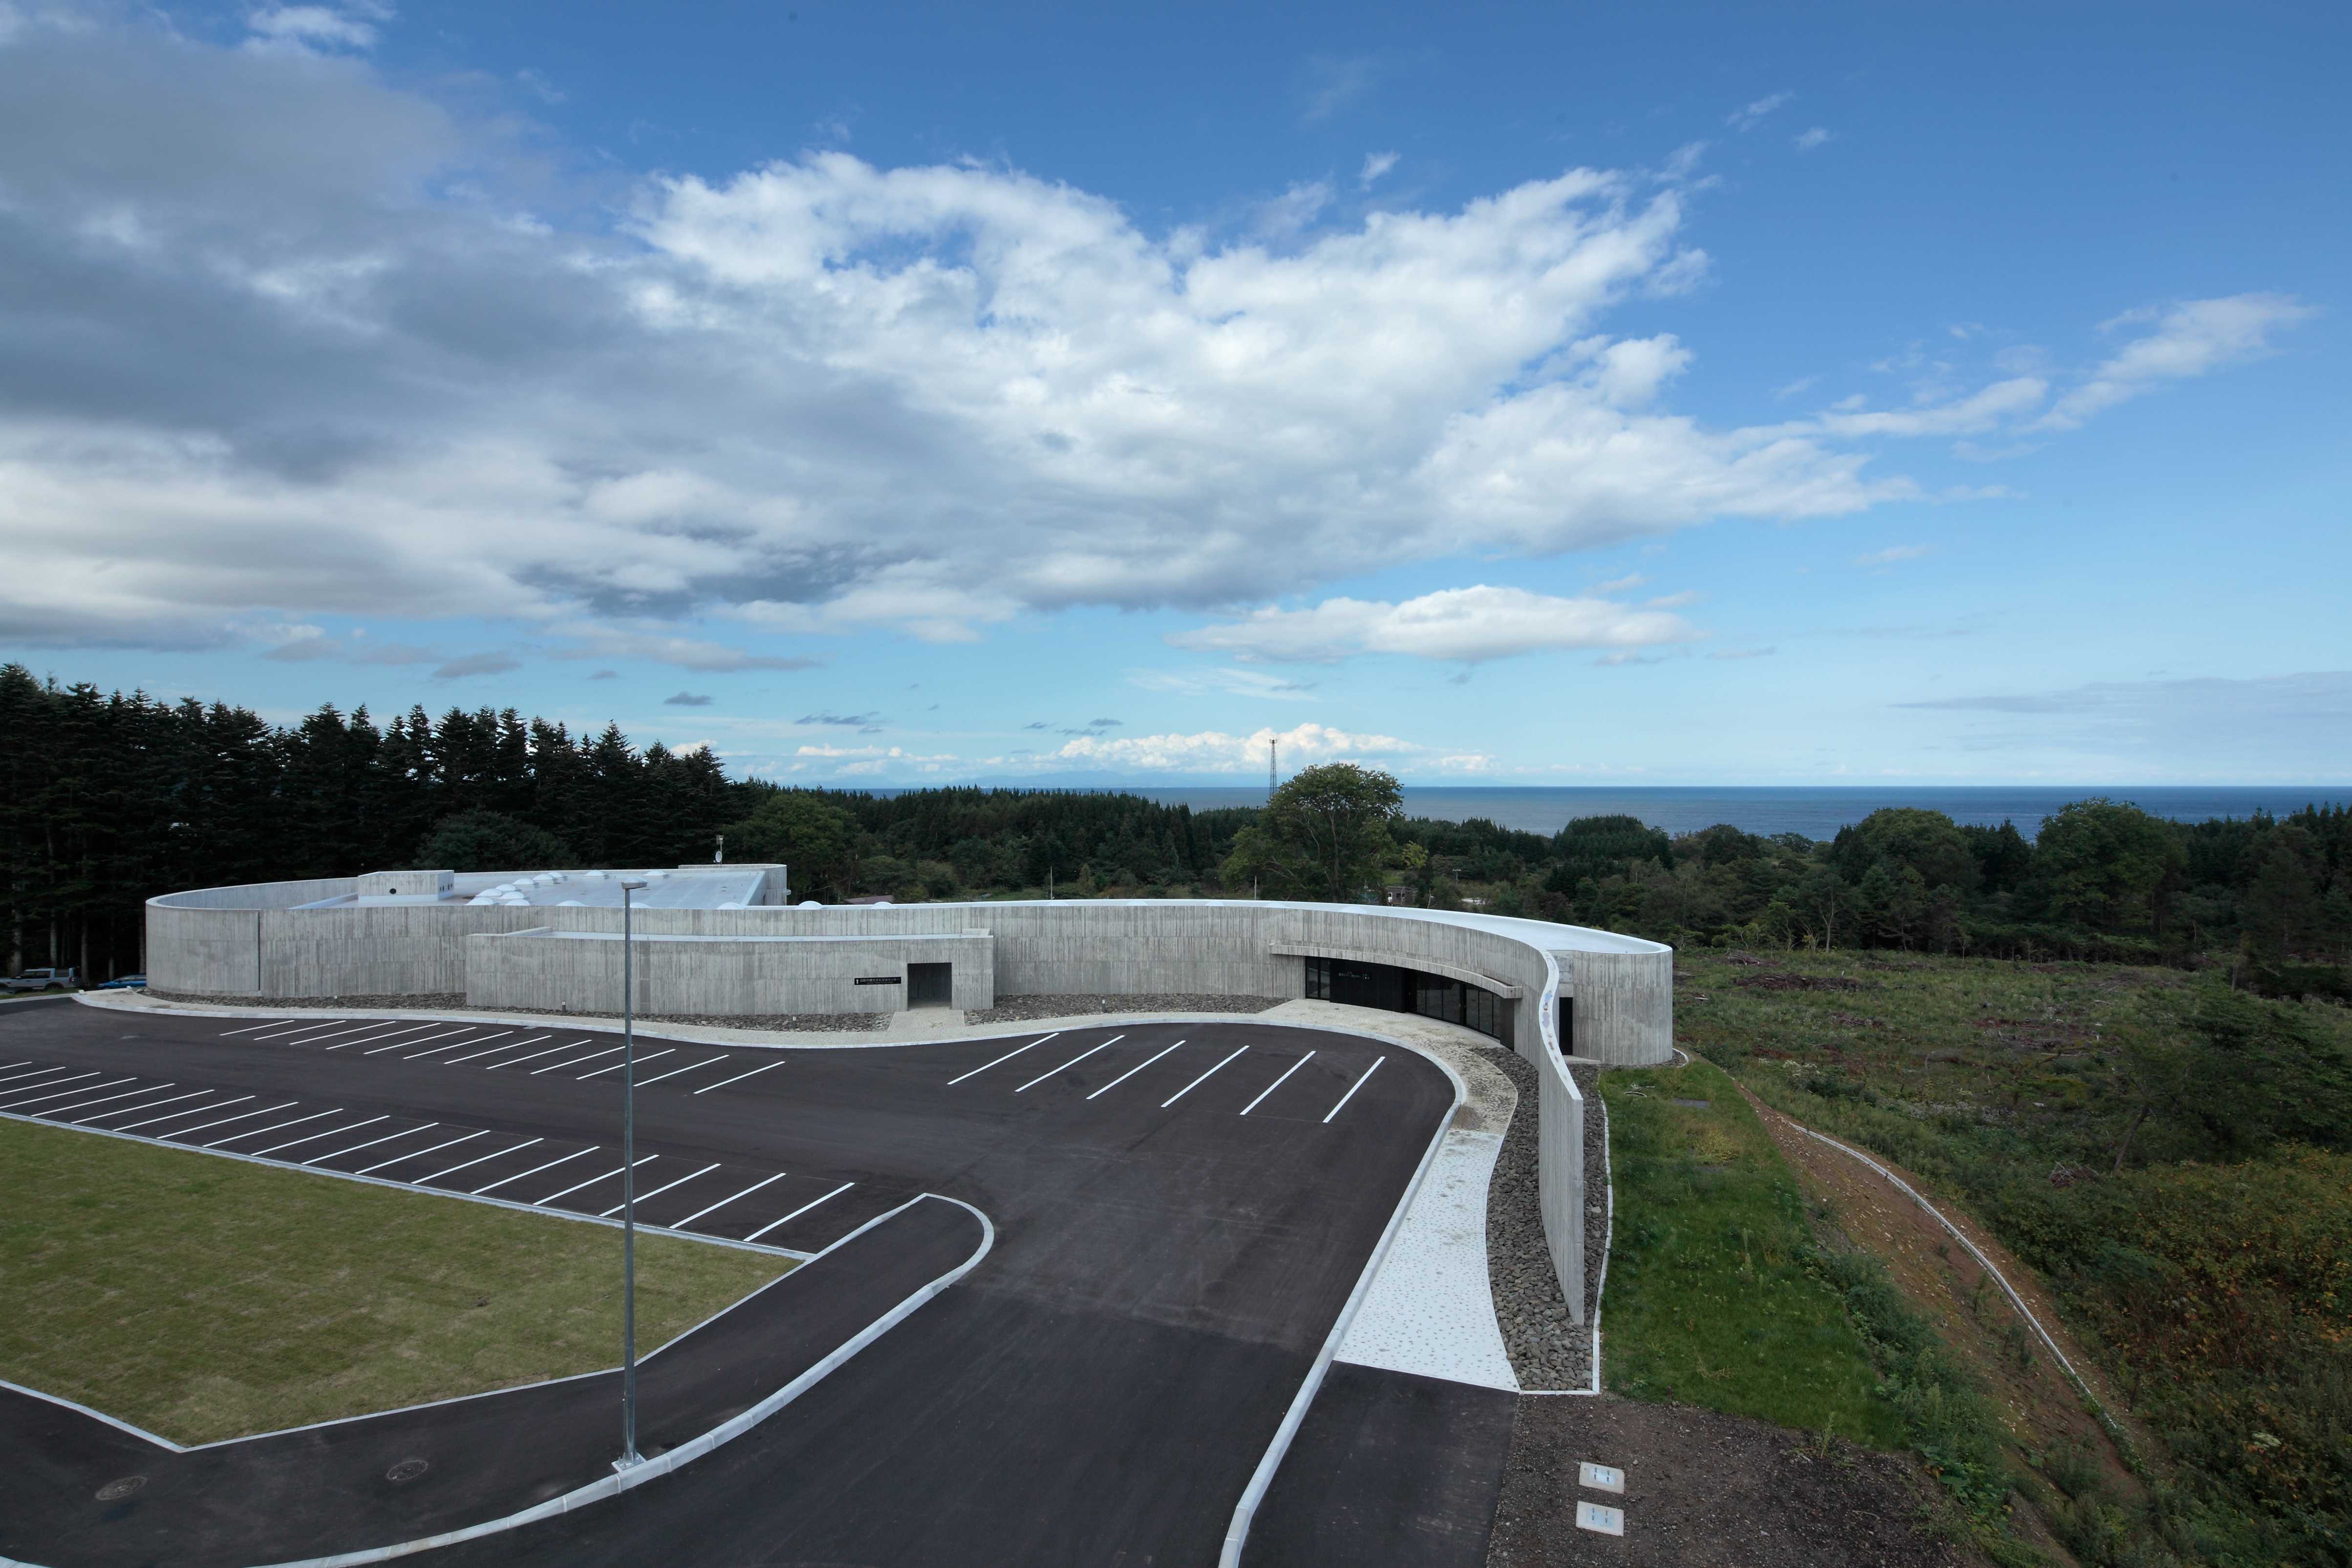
{"x":1180,"y":1212}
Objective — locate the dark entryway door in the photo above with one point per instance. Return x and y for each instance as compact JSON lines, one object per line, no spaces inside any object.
{"x":929,"y":985}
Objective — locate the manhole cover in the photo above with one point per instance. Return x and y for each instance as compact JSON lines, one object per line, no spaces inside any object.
{"x":115,"y":1491}
{"x":406,"y":1470}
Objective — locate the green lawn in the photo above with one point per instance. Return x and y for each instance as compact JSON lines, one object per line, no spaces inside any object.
{"x":1710,"y":1301}
{"x":202,"y":1298}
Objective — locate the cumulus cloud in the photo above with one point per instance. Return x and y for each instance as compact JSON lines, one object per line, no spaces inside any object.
{"x":2188,"y":340}
{"x":276,"y":374}
{"x":1469,"y":625}
{"x":1375,"y":165}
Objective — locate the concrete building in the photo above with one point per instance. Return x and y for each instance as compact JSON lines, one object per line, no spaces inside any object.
{"x":726,"y":940}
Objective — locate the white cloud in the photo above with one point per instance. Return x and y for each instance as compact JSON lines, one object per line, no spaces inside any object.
{"x":1892,"y":554}
{"x":1375,"y":165}
{"x":1621,"y":584}
{"x":1213,"y":751}
{"x":1334,"y":82}
{"x":1293,"y":211}
{"x":813,"y":398}
{"x":1818,"y":136}
{"x":1747,"y":119}
{"x":347,"y":27}
{"x":2189,"y":338}
{"x":596,"y":642}
{"x":1469,"y":625}
{"x":1224,"y":680}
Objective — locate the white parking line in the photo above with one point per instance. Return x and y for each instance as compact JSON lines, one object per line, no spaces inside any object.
{"x":370,"y":1144}
{"x":535,"y":1170}
{"x":644,"y":1197}
{"x":68,"y":1093}
{"x":1278,"y":1083}
{"x":1127,"y":1074}
{"x":304,"y":1029}
{"x":477,"y":1040}
{"x":330,"y":1033}
{"x":262,"y":1131}
{"x":403,"y":1045}
{"x":644,"y":1082}
{"x":575,"y":1061}
{"x":191,"y":1110}
{"x":108,"y":1099}
{"x":1005,"y":1058}
{"x":800,"y":1211}
{"x":590,"y":1181}
{"x":471,"y":1163}
{"x":452,"y":1046}
{"x":518,"y":1061}
{"x":722,"y":1203}
{"x":240,"y":1115}
{"x":37,"y":1072}
{"x":617,"y":1066}
{"x":436,"y":1148}
{"x":740,"y":1076}
{"x":135,"y":1109}
{"x":1196,"y":1082}
{"x":392,"y":1045}
{"x":6,"y":1066}
{"x":250,"y":1027}
{"x":1071,"y":1063}
{"x":387,"y":1042}
{"x":1353,"y":1087}
{"x":314,"y":1137}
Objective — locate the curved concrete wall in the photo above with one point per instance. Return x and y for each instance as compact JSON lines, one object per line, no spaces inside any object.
{"x":253,"y":941}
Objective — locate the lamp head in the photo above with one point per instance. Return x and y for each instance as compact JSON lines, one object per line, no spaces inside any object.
{"x":629,"y":885}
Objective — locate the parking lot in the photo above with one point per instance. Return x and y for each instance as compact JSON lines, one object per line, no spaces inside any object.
{"x":1179,"y":1210}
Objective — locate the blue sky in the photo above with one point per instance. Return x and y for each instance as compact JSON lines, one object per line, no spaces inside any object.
{"x":894,"y":393}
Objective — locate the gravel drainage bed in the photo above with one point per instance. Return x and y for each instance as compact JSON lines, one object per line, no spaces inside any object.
{"x":1022,"y":1009}
{"x":1547,"y":1350}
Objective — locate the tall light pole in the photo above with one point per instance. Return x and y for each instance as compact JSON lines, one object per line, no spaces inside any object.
{"x":629,"y":1455}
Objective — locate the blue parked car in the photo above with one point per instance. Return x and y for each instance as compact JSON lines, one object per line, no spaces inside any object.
{"x":125,"y":983}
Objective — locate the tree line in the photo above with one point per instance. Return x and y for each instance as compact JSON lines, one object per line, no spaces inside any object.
{"x":107,"y":799}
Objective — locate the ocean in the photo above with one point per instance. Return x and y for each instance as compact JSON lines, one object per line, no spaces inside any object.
{"x":1816,"y":813}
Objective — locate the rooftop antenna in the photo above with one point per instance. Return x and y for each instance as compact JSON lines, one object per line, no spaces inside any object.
{"x":718,"y":855}
{"x":1270,"y":746}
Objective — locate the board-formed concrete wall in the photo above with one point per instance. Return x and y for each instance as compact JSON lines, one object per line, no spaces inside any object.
{"x":545,"y":971}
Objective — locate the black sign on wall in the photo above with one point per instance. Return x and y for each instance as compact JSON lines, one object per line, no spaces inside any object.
{"x":876,"y":980}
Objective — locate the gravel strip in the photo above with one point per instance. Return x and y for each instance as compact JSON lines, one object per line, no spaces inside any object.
{"x":1547,"y":1351}
{"x":437,"y":1002}
{"x":1022,"y":1009}
{"x":455,"y":1002}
